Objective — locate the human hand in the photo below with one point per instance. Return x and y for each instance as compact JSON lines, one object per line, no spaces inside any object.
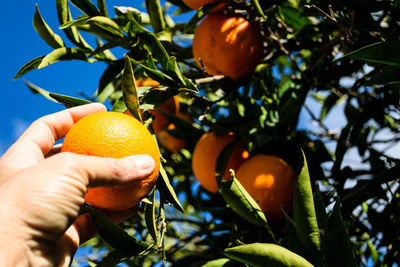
{"x":42,"y":191}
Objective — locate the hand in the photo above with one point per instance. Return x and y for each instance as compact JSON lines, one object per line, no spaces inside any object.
{"x":41,"y":191}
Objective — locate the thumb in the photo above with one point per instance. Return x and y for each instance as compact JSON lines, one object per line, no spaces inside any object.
{"x":95,"y":171}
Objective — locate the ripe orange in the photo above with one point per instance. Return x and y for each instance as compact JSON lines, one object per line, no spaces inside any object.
{"x":227,"y":45}
{"x":205,"y":156}
{"x":116,"y":135}
{"x":196,"y":4}
{"x":271,"y":182}
{"x":169,"y":142}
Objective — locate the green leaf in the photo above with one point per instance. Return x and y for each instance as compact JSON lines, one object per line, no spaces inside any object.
{"x":129,"y":90}
{"x":45,"y":31}
{"x":304,"y":214}
{"x":119,"y":105}
{"x":173,"y":70}
{"x":106,"y":24}
{"x":111,"y":73}
{"x":150,"y":216}
{"x":155,"y":47}
{"x":241,"y":202}
{"x":329,"y":103}
{"x":159,"y":76}
{"x":31,"y":65}
{"x":387,"y":75}
{"x":387,"y":53}
{"x":101,"y":4}
{"x":114,"y":235}
{"x":167,"y":191}
{"x":62,"y":53}
{"x":71,"y":23}
{"x":156,"y":15}
{"x":338,"y":248}
{"x":37,"y":90}
{"x":69,"y":101}
{"x":264,"y":254}
{"x":115,"y":257}
{"x":64,"y":16}
{"x":86,"y":6}
{"x":223,"y":262}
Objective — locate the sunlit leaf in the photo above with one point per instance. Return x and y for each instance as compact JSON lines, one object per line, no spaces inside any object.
{"x":86,"y":6}
{"x":31,"y":65}
{"x":304,"y":214}
{"x":69,"y":101}
{"x":156,"y":15}
{"x":129,"y":90}
{"x":264,"y":254}
{"x":46,"y":32}
{"x":62,"y":53}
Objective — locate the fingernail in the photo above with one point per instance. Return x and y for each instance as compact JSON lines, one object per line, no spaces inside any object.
{"x":143,"y":162}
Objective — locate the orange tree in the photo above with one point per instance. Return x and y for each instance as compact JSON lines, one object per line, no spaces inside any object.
{"x":266,"y":65}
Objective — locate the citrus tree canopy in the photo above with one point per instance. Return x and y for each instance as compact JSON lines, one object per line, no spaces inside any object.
{"x":277,"y":124}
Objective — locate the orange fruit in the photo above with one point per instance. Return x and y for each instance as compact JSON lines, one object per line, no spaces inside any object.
{"x":271,"y":182}
{"x":147,"y":82}
{"x":205,"y":155}
{"x":160,"y":122}
{"x":196,"y":4}
{"x":169,"y":142}
{"x":227,"y":45}
{"x":116,"y":135}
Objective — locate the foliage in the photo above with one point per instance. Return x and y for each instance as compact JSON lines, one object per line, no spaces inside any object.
{"x":343,"y":215}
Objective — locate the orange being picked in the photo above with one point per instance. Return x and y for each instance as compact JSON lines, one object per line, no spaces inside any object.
{"x":196,"y":4}
{"x":116,"y":135}
{"x":227,"y":45}
{"x":271,"y":182}
{"x":205,"y":155}
{"x":169,"y":142}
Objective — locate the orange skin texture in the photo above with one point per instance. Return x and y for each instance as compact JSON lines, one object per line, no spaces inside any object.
{"x":169,"y":142}
{"x":197,"y":4}
{"x":271,"y":182}
{"x":205,"y":156}
{"x":227,"y":45}
{"x":115,"y":135}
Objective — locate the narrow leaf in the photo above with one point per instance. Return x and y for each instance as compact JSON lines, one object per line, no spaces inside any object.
{"x":241,"y":202}
{"x":101,"y":4}
{"x":106,"y":24}
{"x":31,"y":65}
{"x":45,"y":31}
{"x":387,"y":75}
{"x":115,"y":257}
{"x":129,"y":90}
{"x":86,"y":6}
{"x":156,"y":15}
{"x":159,"y":76}
{"x":119,"y":105}
{"x":64,"y":16}
{"x":167,"y":191}
{"x":387,"y":53}
{"x":329,"y":103}
{"x":62,"y":53}
{"x":150,"y":217}
{"x":69,"y":101}
{"x":37,"y":90}
{"x":338,"y":250}
{"x":109,"y":75}
{"x":304,"y":214}
{"x":114,"y":235}
{"x":264,"y":254}
{"x":223,"y":262}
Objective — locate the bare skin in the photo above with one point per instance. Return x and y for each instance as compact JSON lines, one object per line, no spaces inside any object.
{"x":42,"y":191}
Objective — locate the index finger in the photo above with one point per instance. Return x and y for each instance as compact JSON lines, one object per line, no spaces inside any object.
{"x":40,"y":137}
